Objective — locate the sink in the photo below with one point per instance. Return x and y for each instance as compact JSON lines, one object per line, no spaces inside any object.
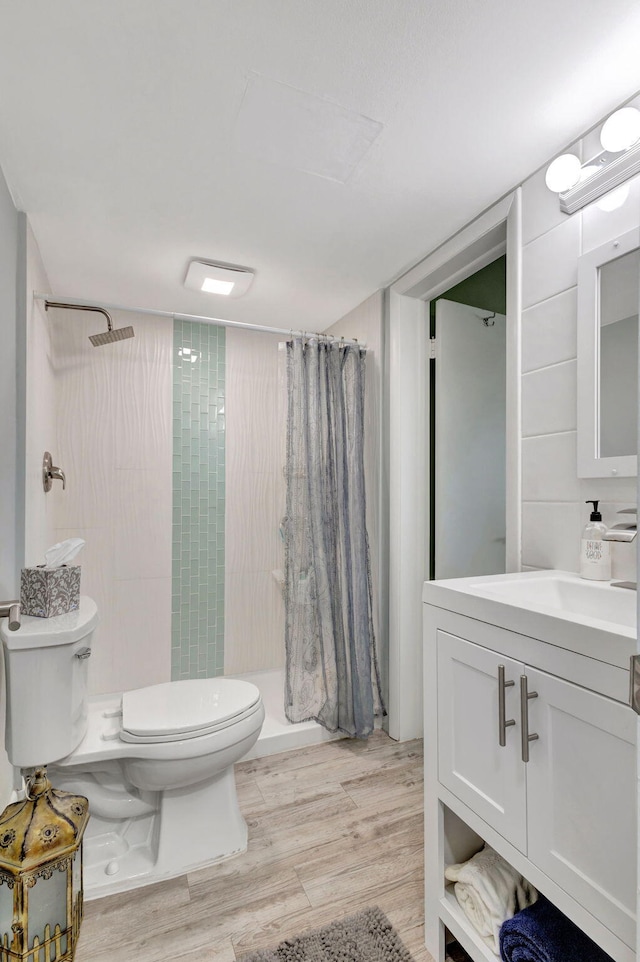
{"x":593,"y":618}
{"x":565,"y":593}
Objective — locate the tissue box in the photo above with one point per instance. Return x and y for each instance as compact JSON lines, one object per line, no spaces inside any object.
{"x":46,"y":592}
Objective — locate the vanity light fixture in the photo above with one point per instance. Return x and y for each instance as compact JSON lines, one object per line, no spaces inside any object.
{"x":621,"y":130}
{"x":578,"y":185}
{"x":614,"y":199}
{"x":563,"y":173}
{"x":225,"y":279}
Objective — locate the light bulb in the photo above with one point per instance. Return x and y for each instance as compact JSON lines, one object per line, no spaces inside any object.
{"x":214,"y":286}
{"x":621,"y":130}
{"x":588,"y":172}
{"x":563,"y":173}
{"x":614,"y":199}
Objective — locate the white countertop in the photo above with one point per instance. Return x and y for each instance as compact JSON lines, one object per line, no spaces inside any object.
{"x":588,"y":617}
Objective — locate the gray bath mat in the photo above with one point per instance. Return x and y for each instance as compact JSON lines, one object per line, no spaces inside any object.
{"x":367,"y":936}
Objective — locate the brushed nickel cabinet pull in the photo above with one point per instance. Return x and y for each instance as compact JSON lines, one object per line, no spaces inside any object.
{"x":634,"y":683}
{"x":503,"y":722}
{"x":525,"y":695}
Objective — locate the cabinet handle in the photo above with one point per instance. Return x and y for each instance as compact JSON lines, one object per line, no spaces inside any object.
{"x":503,"y":722}
{"x":634,"y":682}
{"x":525,"y":695}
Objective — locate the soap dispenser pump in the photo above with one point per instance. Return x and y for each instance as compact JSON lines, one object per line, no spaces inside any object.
{"x":595,"y":552}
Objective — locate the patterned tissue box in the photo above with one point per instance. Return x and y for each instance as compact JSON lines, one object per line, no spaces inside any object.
{"x":46,"y":592}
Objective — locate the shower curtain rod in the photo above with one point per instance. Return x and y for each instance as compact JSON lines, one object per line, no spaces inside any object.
{"x":198,"y":318}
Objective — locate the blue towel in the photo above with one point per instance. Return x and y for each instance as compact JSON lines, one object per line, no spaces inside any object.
{"x":541,"y":933}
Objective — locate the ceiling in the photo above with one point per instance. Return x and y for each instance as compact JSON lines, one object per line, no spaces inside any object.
{"x":327,"y":144}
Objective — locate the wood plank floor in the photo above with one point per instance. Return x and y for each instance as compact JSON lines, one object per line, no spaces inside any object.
{"x":333,"y":828}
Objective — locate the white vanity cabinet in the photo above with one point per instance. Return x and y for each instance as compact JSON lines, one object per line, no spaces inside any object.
{"x":471,"y":762}
{"x":559,"y":805}
{"x":581,"y":798}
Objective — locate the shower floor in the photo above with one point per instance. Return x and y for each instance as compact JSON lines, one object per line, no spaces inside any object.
{"x":278,"y":734}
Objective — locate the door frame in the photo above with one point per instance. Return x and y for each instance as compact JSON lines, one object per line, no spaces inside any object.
{"x":496,"y":231}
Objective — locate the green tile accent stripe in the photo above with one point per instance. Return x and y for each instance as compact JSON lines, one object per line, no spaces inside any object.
{"x":197,"y":602}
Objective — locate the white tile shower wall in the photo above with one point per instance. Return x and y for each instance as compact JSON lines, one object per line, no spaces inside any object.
{"x":365,"y":323}
{"x":553,"y":509}
{"x":114,"y":443}
{"x":41,"y":432}
{"x":255,"y":502}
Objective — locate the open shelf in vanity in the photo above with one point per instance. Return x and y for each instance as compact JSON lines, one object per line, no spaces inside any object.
{"x":460,"y":927}
{"x":459,"y":844}
{"x":565,"y":818}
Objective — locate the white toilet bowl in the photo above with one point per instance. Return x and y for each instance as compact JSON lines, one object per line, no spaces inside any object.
{"x":156,"y":764}
{"x":157,"y":767}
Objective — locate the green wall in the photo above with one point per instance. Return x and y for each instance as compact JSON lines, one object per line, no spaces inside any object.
{"x":486,"y":289}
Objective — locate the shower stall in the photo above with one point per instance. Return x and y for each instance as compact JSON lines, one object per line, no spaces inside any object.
{"x":173,"y":447}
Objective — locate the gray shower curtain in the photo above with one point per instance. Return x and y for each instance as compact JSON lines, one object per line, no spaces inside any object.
{"x":331,"y":672}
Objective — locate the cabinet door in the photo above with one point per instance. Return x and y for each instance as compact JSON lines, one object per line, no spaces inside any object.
{"x":581,"y":798}
{"x":472,"y":764}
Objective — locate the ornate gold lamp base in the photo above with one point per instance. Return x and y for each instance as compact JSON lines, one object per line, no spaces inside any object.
{"x":41,"y":897}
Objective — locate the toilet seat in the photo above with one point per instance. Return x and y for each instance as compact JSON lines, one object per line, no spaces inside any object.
{"x":191,"y":708}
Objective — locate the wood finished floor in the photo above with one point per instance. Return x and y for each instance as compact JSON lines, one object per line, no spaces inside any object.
{"x":333,"y":828}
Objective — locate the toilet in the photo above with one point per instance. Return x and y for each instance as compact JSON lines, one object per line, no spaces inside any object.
{"x":155,"y":763}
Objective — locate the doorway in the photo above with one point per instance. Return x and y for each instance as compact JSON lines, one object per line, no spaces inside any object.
{"x":467,"y":426}
{"x":406,"y":433}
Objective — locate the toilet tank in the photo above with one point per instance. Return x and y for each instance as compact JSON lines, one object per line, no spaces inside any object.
{"x":46,"y":670}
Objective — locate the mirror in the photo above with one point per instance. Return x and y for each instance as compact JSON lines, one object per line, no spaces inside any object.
{"x":608,"y":298}
{"x":618,"y":374}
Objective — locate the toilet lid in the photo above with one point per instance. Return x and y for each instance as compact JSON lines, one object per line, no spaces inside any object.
{"x":185,"y":708}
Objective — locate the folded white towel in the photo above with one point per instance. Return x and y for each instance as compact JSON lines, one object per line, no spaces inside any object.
{"x":489,"y":891}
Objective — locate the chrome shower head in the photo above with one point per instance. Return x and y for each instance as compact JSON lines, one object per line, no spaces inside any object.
{"x":113,"y":334}
{"x":107,"y":337}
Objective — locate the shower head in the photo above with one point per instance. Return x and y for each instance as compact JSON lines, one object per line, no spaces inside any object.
{"x":113,"y":334}
{"x":107,"y":337}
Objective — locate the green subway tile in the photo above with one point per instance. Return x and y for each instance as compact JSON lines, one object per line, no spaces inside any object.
{"x":197,"y":630}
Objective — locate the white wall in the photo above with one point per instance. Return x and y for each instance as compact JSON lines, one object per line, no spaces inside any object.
{"x":255,"y":501}
{"x":553,"y":509}
{"x":9,"y":520}
{"x":8,"y":392}
{"x":41,"y":434}
{"x":114,"y":441}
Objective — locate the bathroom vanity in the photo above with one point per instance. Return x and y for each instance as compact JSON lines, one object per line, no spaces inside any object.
{"x":530,"y":746}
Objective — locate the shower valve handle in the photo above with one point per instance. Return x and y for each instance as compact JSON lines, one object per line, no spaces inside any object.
{"x":50,"y":473}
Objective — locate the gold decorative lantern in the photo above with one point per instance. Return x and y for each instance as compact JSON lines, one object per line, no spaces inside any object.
{"x":41,"y":873}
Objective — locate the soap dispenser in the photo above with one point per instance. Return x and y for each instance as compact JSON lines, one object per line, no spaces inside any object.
{"x":595,"y":552}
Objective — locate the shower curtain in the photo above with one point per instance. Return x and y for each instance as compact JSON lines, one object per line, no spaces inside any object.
{"x":331,"y":668}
